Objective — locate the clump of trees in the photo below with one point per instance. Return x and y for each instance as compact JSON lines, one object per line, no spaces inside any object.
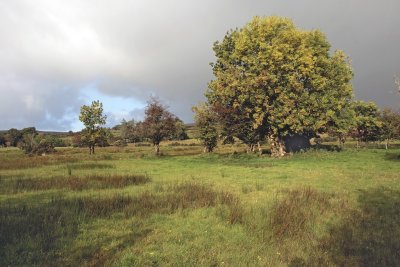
{"x":30,"y":141}
{"x":390,"y":126}
{"x":273,"y":80}
{"x":367,"y":123}
{"x":131,"y":131}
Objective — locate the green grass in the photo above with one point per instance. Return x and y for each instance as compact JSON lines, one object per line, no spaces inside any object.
{"x":127,"y":207}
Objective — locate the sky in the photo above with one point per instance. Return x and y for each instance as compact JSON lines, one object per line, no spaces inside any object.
{"x":56,"y":56}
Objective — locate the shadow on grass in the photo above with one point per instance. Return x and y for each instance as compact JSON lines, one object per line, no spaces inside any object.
{"x":326,"y":147}
{"x":368,"y":236}
{"x":34,"y":235}
{"x":392,"y":156}
{"x":44,"y":234}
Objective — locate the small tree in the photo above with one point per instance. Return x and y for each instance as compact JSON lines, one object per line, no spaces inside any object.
{"x":367,"y":123}
{"x":28,"y":142}
{"x":158,"y":123}
{"x":92,"y":117}
{"x":180,"y":133}
{"x":205,"y":120}
{"x":390,"y":125}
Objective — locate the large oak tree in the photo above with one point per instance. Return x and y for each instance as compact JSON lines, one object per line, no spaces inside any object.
{"x":274,"y":80}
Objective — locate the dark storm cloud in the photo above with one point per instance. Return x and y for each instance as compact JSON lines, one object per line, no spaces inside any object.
{"x":51,"y":50}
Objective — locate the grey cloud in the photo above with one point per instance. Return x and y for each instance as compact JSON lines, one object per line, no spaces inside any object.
{"x":50,"y":50}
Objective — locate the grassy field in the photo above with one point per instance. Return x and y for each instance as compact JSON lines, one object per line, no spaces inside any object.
{"x":126,"y":207}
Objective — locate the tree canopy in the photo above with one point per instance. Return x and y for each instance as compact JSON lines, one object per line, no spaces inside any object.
{"x":390,"y":125}
{"x":276,"y":80}
{"x":367,"y":122}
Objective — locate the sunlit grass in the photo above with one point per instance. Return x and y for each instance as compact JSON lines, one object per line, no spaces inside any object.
{"x":126,"y":206}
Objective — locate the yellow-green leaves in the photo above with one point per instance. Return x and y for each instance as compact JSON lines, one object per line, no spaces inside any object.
{"x":278,"y":79}
{"x":92,"y":117}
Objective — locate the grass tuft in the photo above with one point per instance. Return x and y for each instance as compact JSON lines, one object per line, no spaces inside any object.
{"x":291,"y":216}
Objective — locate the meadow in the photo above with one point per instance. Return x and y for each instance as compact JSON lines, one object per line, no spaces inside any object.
{"x":127,"y":207}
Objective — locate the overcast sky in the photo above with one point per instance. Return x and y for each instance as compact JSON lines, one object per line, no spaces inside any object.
{"x":58,"y":55}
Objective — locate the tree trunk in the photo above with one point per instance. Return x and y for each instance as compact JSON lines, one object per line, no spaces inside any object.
{"x":208,"y":149}
{"x":278,"y":148}
{"x":259,"y":148}
{"x":157,"y":149}
{"x":341,"y":140}
{"x":249,"y":148}
{"x":387,"y":144}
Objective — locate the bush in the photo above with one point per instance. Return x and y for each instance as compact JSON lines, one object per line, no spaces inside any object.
{"x":56,"y":141}
{"x":120,"y":143}
{"x":44,"y":147}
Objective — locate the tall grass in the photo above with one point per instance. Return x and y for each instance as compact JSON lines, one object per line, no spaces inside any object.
{"x":292,"y":215}
{"x":34,"y":161}
{"x":75,"y":183}
{"x":37,"y":234}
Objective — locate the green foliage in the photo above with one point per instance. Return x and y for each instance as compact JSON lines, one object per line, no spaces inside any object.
{"x":367,"y":123}
{"x":92,"y":117}
{"x":13,"y":136}
{"x":341,"y":123}
{"x":180,"y":133}
{"x":205,"y":120}
{"x":44,"y":146}
{"x":120,"y":143}
{"x":390,"y":125}
{"x":56,"y":141}
{"x":131,"y":131}
{"x":272,"y":79}
{"x":33,"y":143}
